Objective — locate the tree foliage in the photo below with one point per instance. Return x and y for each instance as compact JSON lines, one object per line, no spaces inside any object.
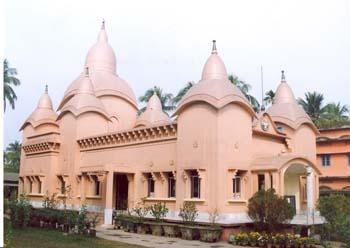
{"x":12,"y":156}
{"x":10,"y":80}
{"x":262,"y":210}
{"x":245,"y":88}
{"x":324,"y":116}
{"x":336,"y":210}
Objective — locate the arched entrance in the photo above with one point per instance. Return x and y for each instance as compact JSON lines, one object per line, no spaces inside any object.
{"x":295,"y":186}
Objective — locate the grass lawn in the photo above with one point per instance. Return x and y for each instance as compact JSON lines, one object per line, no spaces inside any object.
{"x":42,"y":238}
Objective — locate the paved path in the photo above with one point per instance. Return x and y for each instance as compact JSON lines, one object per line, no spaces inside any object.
{"x":155,"y":241}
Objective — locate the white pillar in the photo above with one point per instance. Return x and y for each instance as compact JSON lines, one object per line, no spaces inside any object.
{"x":310,"y":189}
{"x":109,"y":199}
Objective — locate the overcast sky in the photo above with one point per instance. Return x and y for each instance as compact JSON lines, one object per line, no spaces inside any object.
{"x":157,"y":43}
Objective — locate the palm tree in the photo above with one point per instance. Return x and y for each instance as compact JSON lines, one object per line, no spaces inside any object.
{"x":10,"y":80}
{"x":166,"y":99}
{"x":245,"y":88}
{"x":312,"y":104}
{"x":182,"y":92}
{"x":336,"y":111}
{"x":269,"y":97}
{"x":13,"y":155}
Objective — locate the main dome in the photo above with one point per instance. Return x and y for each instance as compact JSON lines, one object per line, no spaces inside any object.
{"x":214,"y":87}
{"x":102,"y":72}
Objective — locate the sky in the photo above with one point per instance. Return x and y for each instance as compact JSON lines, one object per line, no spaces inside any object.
{"x":166,"y":43}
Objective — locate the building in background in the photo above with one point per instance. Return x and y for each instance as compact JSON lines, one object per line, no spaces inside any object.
{"x":333,"y":159}
{"x":10,"y":183}
{"x":216,"y":152}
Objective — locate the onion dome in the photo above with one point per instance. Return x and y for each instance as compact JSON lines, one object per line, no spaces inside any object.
{"x":102,"y":66}
{"x":84,"y":100}
{"x":285,"y":108}
{"x":153,"y":114}
{"x":44,"y":113}
{"x":214,"y":87}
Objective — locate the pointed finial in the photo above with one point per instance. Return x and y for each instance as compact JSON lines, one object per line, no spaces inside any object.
{"x":103,"y":23}
{"x":283,"y":77}
{"x":86,"y":71}
{"x":46,"y":88}
{"x":214,"y":51}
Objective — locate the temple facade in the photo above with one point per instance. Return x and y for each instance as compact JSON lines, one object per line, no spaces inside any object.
{"x":214,"y":150}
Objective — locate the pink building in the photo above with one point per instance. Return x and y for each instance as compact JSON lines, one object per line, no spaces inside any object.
{"x":216,"y":151}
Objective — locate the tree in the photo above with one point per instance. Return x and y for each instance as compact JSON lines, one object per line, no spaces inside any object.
{"x":12,"y":155}
{"x":245,"y":88}
{"x":336,"y":111}
{"x":313,"y":105}
{"x":10,"y":80}
{"x":336,"y":209}
{"x":182,"y":92}
{"x":269,"y":97}
{"x":166,"y":99}
{"x":262,"y":210}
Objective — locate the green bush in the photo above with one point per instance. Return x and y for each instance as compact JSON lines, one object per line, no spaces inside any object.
{"x":262,"y":209}
{"x":188,"y":213}
{"x":20,"y":211}
{"x":7,"y":233}
{"x":336,"y":210}
{"x":159,"y":211}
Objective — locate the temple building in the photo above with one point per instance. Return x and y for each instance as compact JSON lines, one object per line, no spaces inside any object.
{"x":333,"y":159}
{"x":214,"y":150}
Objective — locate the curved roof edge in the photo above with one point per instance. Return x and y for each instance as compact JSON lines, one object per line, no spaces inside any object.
{"x":35,"y":124}
{"x":77,"y":112}
{"x":297,"y":123}
{"x":216,"y":103}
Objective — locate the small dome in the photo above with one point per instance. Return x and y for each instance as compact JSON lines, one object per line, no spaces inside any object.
{"x":101,"y":56}
{"x":84,"y":101}
{"x":285,"y":108}
{"x":214,"y":87}
{"x":43,"y":113}
{"x":153,"y":114}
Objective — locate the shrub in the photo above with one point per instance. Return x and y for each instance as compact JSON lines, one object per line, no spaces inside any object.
{"x":336,"y":210}
{"x":262,"y":210}
{"x":20,"y":210}
{"x":7,"y":233}
{"x":50,"y":202}
{"x":188,"y":213}
{"x":159,"y":211}
{"x":141,"y":211}
{"x":81,"y":219}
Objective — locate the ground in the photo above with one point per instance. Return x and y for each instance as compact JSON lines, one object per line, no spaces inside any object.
{"x":33,"y":237}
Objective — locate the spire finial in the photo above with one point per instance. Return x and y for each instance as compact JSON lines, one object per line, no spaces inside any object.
{"x":103,"y":23}
{"x":46,"y":88}
{"x":214,"y":51}
{"x":283,"y":77}
{"x":86,"y":71}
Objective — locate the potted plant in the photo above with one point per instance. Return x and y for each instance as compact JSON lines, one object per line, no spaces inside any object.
{"x":92,"y":225}
{"x":158,"y":211}
{"x":141,"y":212}
{"x":189,"y":213}
{"x":262,"y":240}
{"x":130,"y":223}
{"x":213,"y":232}
{"x":253,"y":238}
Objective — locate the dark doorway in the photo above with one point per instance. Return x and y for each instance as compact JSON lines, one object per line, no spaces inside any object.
{"x":122,"y":183}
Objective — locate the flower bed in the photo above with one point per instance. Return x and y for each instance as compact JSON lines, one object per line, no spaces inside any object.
{"x":254,"y":239}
